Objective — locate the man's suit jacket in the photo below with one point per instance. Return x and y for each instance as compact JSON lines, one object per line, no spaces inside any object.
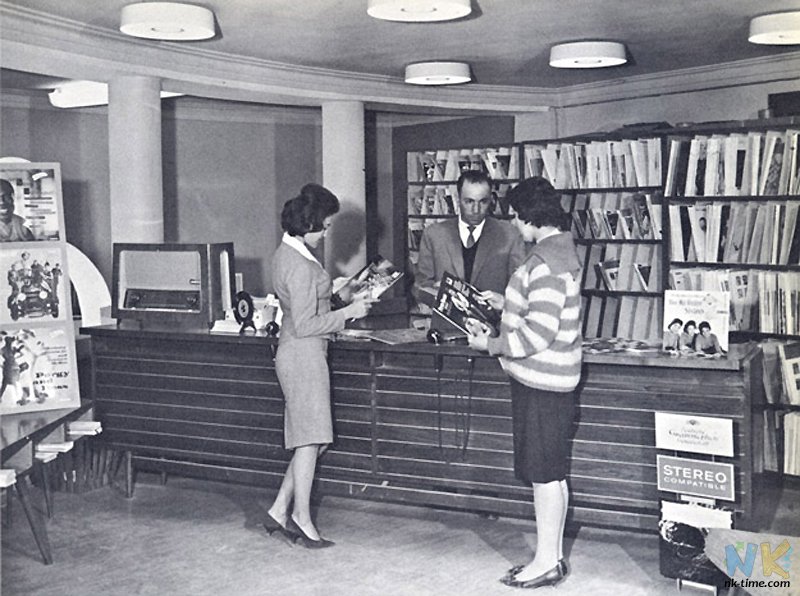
{"x":500,"y":251}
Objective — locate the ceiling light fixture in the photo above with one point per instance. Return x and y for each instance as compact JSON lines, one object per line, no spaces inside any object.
{"x":418,"y":11}
{"x":438,"y":73}
{"x":587,"y":54}
{"x":85,"y":94}
{"x":169,"y":21}
{"x":780,"y":28}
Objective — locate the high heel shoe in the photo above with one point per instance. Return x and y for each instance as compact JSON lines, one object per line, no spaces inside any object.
{"x":552,"y":577}
{"x":304,"y":538}
{"x":275,"y":528}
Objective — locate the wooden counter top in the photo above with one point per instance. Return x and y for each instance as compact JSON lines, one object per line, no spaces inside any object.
{"x":738,"y":356}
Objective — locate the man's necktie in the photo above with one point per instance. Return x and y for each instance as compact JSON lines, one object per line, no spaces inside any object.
{"x":470,"y":238}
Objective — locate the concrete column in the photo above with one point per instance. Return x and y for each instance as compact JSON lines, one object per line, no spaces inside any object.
{"x":134,"y":138}
{"x":343,"y":174}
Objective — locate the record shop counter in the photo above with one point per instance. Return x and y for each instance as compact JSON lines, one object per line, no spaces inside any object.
{"x":415,"y":423}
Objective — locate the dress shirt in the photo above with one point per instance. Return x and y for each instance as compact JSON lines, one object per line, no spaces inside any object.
{"x":463,"y":231}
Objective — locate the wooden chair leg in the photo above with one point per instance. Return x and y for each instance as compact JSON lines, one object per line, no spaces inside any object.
{"x":128,"y":474}
{"x":46,"y":489}
{"x":37,"y":524}
{"x":117,"y":458}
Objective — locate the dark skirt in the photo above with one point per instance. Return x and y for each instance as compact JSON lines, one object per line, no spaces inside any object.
{"x":543,"y":423}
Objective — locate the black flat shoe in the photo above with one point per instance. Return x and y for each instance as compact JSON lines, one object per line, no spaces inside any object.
{"x":562,"y":563}
{"x":304,"y":539}
{"x":552,"y":578}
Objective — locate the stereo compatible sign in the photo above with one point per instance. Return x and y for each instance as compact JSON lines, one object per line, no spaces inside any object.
{"x":698,"y":434}
{"x":695,"y":477}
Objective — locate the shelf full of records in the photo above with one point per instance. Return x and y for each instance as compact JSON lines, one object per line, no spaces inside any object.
{"x":733,"y":200}
{"x":762,"y":302}
{"x":583,"y":164}
{"x":741,"y":163}
{"x":446,"y":165}
{"x":618,"y":235}
{"x":733,"y":232}
{"x":616,"y":216}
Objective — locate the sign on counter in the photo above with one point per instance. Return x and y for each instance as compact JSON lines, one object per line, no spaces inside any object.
{"x":697,"y":434}
{"x":695,"y":477}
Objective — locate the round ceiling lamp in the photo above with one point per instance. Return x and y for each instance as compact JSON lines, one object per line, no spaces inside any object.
{"x":780,"y":28}
{"x":587,"y":54}
{"x":418,"y":11}
{"x":438,"y":73}
{"x":169,"y":21}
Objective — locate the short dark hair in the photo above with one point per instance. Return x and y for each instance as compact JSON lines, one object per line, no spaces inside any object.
{"x":689,"y":323}
{"x":473,"y":177}
{"x":307,"y":211}
{"x":538,"y":203}
{"x":6,"y":186}
{"x":704,"y":325}
{"x":675,"y":320}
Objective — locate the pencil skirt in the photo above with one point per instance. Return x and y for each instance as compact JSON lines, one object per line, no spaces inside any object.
{"x":543,"y":425}
{"x":302,"y":368}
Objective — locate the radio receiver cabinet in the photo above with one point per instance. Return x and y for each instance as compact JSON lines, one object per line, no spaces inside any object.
{"x":160,"y":285}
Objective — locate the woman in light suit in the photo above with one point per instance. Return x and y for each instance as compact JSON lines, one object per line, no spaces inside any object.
{"x":304,"y":290}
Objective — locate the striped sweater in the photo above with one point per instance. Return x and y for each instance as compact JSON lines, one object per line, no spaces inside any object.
{"x":540,"y":332}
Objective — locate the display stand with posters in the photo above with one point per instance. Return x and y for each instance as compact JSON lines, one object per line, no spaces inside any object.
{"x":37,"y":336}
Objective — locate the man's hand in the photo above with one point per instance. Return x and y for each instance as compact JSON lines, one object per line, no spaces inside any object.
{"x":493,"y":299}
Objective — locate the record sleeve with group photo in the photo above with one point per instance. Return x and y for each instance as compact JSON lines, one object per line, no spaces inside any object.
{"x":37,"y":333}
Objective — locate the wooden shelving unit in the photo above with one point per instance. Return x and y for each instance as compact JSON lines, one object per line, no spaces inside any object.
{"x":612,"y":188}
{"x":733,"y":195}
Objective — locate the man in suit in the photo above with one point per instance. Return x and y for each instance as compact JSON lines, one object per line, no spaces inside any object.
{"x":483,"y":251}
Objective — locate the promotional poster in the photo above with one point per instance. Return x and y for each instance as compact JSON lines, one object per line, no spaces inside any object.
{"x":38,"y":369}
{"x":29,"y":210}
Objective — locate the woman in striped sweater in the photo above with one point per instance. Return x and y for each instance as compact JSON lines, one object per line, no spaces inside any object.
{"x":539,"y":347}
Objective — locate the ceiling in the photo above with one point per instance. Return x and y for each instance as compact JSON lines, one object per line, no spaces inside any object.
{"x":506,"y":41}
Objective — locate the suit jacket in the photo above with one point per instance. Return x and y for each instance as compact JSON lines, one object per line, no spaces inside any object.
{"x":304,"y":290}
{"x":500,"y":251}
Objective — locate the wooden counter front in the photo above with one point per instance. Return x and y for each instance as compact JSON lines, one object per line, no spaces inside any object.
{"x":416,"y":423}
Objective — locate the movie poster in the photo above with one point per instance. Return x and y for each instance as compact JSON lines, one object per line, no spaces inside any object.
{"x":35,"y":286}
{"x":29,"y":210}
{"x":38,"y":369}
